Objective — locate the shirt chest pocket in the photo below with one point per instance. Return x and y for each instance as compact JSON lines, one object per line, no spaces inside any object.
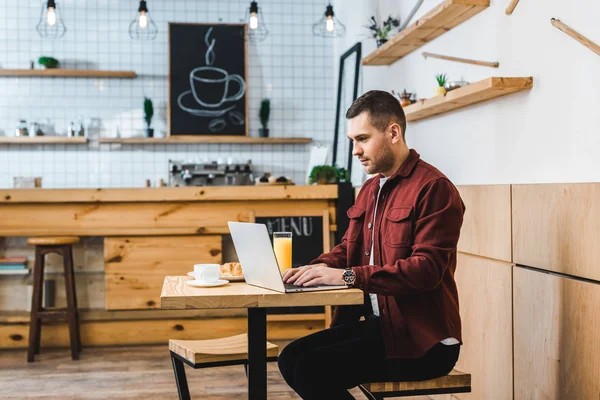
{"x":398,"y":227}
{"x":357,"y":217}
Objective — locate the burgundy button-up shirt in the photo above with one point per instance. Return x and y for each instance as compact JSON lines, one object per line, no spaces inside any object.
{"x":417,"y":226}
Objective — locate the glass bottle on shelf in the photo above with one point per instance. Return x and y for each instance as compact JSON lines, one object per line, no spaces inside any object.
{"x":22,"y":128}
{"x":80,"y":126}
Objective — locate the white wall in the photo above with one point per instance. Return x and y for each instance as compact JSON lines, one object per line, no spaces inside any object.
{"x":548,"y":134}
{"x":291,"y":66}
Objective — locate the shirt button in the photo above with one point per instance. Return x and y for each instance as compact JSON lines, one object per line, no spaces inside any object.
{"x":370,"y":225}
{"x":367,"y":252}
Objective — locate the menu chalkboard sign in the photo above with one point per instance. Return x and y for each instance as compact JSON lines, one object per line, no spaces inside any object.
{"x":307,"y":235}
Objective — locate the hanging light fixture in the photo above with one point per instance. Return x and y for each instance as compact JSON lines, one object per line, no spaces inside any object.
{"x":329,"y":25}
{"x":142,"y":27}
{"x":51,"y":24}
{"x":257,"y":30}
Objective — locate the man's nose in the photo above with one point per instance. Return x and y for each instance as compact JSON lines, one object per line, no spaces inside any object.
{"x":356,"y":151}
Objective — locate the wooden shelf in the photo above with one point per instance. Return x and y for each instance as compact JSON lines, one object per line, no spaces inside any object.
{"x":462,"y":97}
{"x":42,"y":140}
{"x":440,"y":20}
{"x":67,"y":73}
{"x":207,"y":139}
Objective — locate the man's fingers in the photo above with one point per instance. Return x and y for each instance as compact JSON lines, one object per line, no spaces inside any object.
{"x":289,"y":273}
{"x":304,"y":277}
{"x":313,"y":282}
{"x":292,"y":274}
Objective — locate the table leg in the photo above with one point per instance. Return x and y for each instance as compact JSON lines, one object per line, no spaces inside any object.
{"x":257,"y":353}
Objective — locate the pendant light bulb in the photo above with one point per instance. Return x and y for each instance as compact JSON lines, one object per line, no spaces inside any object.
{"x":51,"y":17}
{"x":142,"y":27}
{"x":50,"y":24}
{"x":253,"y":21}
{"x":143,"y":20}
{"x":257,"y":30}
{"x":329,"y":24}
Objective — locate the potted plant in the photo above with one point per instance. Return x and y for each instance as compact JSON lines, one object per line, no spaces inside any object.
{"x":381,"y":33}
{"x":327,"y":174}
{"x":148,"y":114}
{"x":263,"y":114}
{"x":441,"y":80}
{"x":48,"y":62}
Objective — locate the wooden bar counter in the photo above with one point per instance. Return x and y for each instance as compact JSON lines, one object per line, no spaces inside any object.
{"x":149,"y":233}
{"x":153,"y":211}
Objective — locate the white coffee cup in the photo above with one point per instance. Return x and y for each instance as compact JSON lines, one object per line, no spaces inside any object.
{"x":207,"y":273}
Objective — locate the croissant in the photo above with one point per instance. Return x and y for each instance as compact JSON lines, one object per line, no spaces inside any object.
{"x":231,"y":269}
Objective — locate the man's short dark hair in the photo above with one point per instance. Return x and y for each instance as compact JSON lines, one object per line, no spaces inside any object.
{"x":382,"y":107}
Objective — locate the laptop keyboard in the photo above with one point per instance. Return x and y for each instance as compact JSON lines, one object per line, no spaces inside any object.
{"x":292,"y":286}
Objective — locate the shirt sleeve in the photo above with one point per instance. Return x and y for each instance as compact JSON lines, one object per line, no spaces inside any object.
{"x":336,"y":258}
{"x":439,"y":218}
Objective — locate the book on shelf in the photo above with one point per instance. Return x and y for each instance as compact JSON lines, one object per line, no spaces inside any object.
{"x":13,"y":263}
{"x":13,"y":260}
{"x":12,"y":266}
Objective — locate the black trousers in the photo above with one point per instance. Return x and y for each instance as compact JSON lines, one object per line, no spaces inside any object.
{"x":327,"y":363}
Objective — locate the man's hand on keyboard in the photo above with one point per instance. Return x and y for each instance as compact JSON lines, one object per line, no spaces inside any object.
{"x":313,"y":275}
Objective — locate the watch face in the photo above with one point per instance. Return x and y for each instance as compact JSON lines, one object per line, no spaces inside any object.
{"x":349,"y":276}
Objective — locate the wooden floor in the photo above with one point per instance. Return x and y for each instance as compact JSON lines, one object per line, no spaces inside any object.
{"x":124,"y":373}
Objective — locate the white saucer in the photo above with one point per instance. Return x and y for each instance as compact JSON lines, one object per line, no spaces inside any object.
{"x":197,"y":283}
{"x":232,"y":278}
{"x":225,"y":277}
{"x":188,"y":97}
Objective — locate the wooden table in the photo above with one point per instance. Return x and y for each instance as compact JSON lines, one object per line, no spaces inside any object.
{"x":176,"y":295}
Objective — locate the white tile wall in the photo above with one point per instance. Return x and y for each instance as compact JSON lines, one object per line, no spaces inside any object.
{"x":291,"y":67}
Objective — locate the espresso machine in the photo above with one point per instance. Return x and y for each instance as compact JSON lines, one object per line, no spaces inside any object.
{"x":188,"y":173}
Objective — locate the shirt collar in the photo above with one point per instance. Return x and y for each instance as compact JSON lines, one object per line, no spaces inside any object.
{"x":407,"y":166}
{"x":405,"y":169}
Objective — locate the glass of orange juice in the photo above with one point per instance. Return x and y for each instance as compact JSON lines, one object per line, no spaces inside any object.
{"x":282,"y":245}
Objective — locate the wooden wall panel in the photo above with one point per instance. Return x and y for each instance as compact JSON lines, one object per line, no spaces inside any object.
{"x":484,"y":290}
{"x":486,"y":229}
{"x":556,"y":331}
{"x":135,"y":332}
{"x":136,"y":266}
{"x":15,"y":291}
{"x":557,"y":227}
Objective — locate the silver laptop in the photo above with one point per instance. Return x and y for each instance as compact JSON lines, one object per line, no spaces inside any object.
{"x":259,"y":265}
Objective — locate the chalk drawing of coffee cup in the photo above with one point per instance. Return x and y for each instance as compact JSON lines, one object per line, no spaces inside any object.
{"x":210,"y":86}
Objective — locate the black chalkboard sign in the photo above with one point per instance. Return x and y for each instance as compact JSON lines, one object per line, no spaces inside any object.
{"x":307,"y":235}
{"x":207,"y":80}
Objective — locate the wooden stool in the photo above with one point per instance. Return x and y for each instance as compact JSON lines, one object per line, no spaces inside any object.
{"x":197,"y":354}
{"x":61,"y":246}
{"x":454,"y":382}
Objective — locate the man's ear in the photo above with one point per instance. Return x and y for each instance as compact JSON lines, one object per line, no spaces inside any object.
{"x":395,"y":133}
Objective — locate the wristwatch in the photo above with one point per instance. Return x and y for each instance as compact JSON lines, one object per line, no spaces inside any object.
{"x":349,"y":277}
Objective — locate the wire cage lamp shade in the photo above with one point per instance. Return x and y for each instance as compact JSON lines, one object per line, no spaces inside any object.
{"x":51,"y":24}
{"x":257,"y":29}
{"x":329,"y":25}
{"x":143,"y":27}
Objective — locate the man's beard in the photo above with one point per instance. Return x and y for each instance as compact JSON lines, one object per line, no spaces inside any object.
{"x":385,"y":161}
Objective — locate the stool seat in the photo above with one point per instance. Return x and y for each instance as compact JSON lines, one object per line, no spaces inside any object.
{"x":455,"y":382}
{"x":227,"y":349}
{"x":53,"y":240}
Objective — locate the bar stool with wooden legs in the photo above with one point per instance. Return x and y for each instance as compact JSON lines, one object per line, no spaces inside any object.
{"x":62,"y":246}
